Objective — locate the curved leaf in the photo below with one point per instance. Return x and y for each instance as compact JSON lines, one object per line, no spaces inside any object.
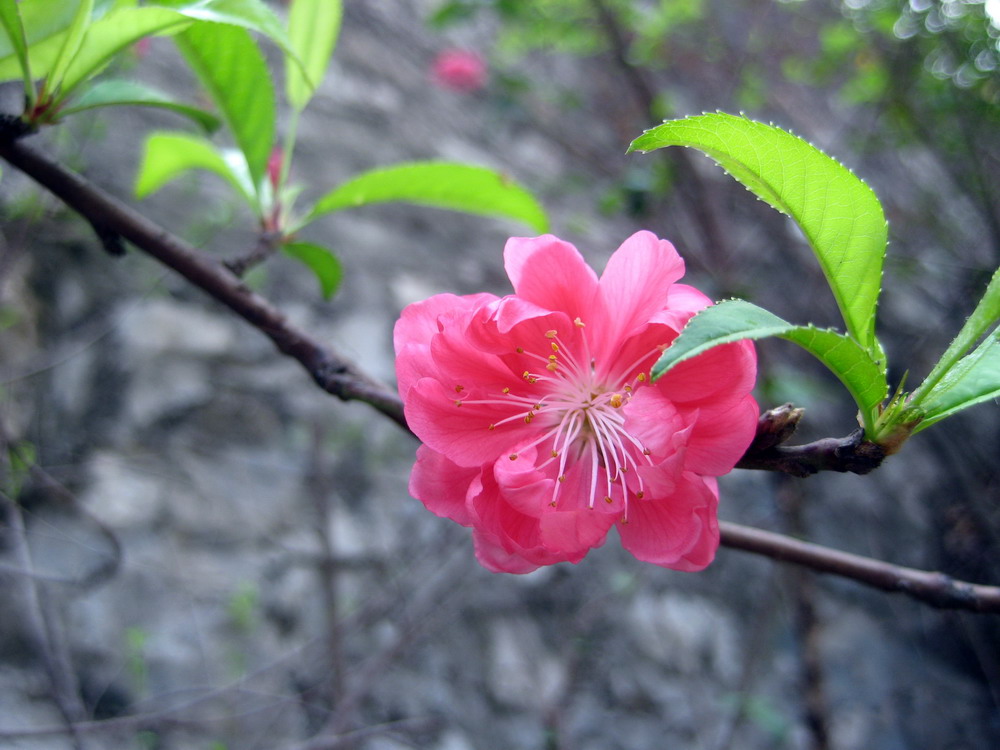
{"x":459,"y":187}
{"x":313,"y":26}
{"x":167,"y":155}
{"x":323,"y":263}
{"x":72,"y":41}
{"x":10,"y":20}
{"x":105,"y":37}
{"x":232,"y":68}
{"x":976,"y":378}
{"x":985,"y":316}
{"x":735,"y":320}
{"x":118,"y":92}
{"x":840,"y":216}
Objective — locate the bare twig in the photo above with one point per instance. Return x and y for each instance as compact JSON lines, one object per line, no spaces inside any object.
{"x":333,"y":373}
{"x":936,"y":589}
{"x":38,"y":619}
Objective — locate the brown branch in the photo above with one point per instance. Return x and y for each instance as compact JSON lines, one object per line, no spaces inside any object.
{"x":851,"y":454}
{"x":343,"y":379}
{"x":935,"y":589}
{"x":331,"y":372}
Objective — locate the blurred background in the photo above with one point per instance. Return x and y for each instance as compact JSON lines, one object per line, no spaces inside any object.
{"x":227,"y":558}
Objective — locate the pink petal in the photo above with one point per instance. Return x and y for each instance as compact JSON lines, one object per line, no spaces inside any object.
{"x":727,"y":371}
{"x":459,"y":432}
{"x":573,"y":533}
{"x":551,"y":273}
{"x":635,"y":284}
{"x":417,"y":326}
{"x":720,"y":437}
{"x":495,"y":558}
{"x":679,"y":532}
{"x":442,"y":485}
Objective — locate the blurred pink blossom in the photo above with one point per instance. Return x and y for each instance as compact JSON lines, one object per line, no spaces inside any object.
{"x":459,"y":70}
{"x":541,"y":426}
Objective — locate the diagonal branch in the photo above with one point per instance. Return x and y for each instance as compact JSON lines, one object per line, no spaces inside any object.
{"x":332,"y":372}
{"x":343,"y":379}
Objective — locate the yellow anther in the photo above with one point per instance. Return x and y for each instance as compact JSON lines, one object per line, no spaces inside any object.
{"x":555,"y":454}
{"x":459,"y":388}
{"x":561,"y":478}
{"x":579,"y":323}
{"x":520,"y":350}
{"x":528,"y":417}
{"x":512,"y":456}
{"x":552,"y":504}
{"x":525,"y":374}
{"x":532,"y":380}
{"x":506,"y":390}
{"x":628,"y":388}
{"x":551,"y":334}
{"x":623,"y":469}
{"x":553,"y":358}
{"x":640,"y":495}
{"x":492,"y":427}
{"x":645,"y":451}
{"x":616,"y":400}
{"x":552,"y":366}
{"x":608,"y":500}
{"x":458,"y":403}
{"x":641,"y":377}
{"x":555,"y":346}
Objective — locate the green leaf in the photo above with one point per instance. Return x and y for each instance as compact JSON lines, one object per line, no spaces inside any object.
{"x":72,"y":41}
{"x":985,"y":316}
{"x":251,"y":15}
{"x":230,"y":65}
{"x":976,"y":378}
{"x":313,"y":26}
{"x":735,"y":320}
{"x":114,"y":32}
{"x":168,"y":155}
{"x":320,"y":261}
{"x":458,"y":187}
{"x":10,"y":19}
{"x":105,"y":37}
{"x":118,"y":92}
{"x":840,"y":216}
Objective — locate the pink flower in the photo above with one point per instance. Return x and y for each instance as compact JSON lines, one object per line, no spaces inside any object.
{"x":541,"y":426}
{"x":459,"y":70}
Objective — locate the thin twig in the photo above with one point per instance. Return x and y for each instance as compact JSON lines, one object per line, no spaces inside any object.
{"x":332,"y":372}
{"x":935,"y":589}
{"x":37,"y":618}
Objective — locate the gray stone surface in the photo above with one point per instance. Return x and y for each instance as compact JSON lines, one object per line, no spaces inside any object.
{"x":276,"y":580}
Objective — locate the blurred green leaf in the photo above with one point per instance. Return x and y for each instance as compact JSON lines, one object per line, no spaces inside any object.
{"x":232,"y":68}
{"x":974,"y":379}
{"x":72,"y":41}
{"x":119,"y":92}
{"x":313,"y":26}
{"x":167,"y":155}
{"x":459,"y":187}
{"x":10,"y":19}
{"x":106,"y":36}
{"x":840,"y":216}
{"x":320,"y":261}
{"x":252,"y":15}
{"x":735,"y":320}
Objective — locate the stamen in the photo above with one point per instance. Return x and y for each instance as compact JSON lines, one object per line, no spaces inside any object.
{"x":459,"y":388}
{"x":519,"y":350}
{"x":616,"y":400}
{"x":512,"y":456}
{"x":506,"y":390}
{"x":551,"y":334}
{"x":579,"y":323}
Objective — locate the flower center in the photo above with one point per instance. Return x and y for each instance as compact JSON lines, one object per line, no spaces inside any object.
{"x":578,"y":408}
